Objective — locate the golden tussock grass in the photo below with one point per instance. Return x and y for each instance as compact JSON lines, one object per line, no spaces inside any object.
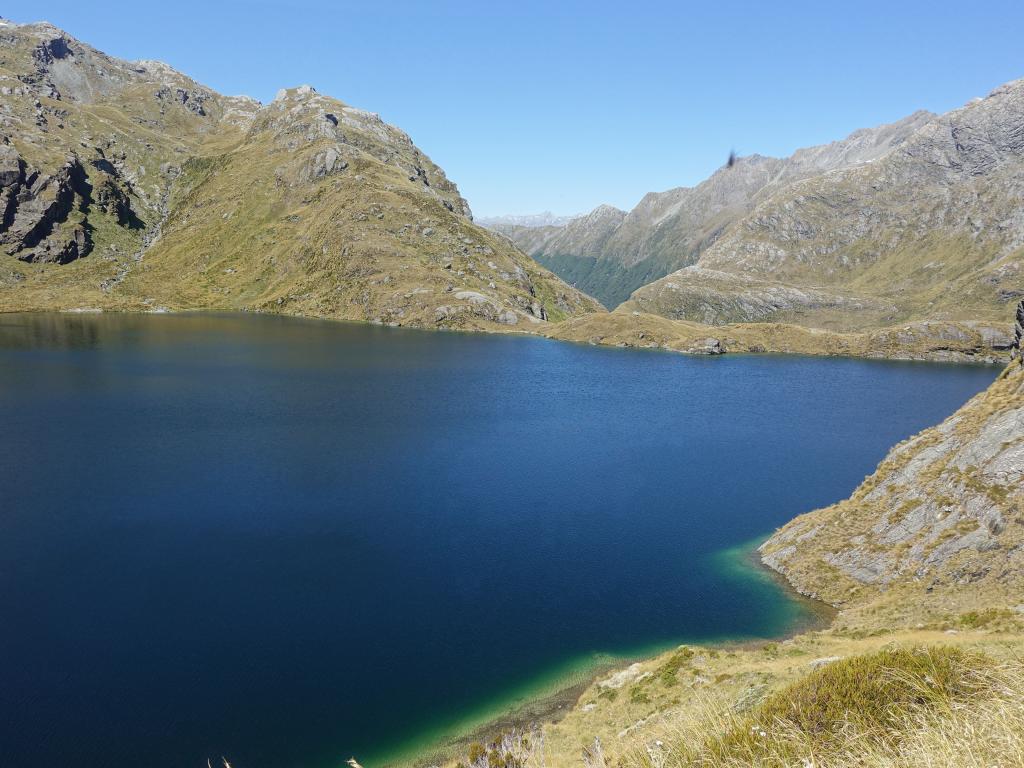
{"x":941,"y":707}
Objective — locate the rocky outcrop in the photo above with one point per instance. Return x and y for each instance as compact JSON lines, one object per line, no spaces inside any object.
{"x":46,"y":217}
{"x":38,"y":222}
{"x":51,"y":50}
{"x":939,"y":525}
{"x":301,"y":116}
{"x":192,"y":100}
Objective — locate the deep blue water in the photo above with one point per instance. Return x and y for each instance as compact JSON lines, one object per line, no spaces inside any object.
{"x":288,"y":542}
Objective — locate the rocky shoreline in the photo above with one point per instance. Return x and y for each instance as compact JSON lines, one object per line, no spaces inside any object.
{"x":943,"y":510}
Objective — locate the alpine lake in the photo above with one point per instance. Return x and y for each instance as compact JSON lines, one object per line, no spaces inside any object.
{"x":290,"y":542}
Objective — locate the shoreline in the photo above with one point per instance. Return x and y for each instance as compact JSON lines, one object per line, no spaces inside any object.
{"x":550,"y":706}
{"x":986,"y":356}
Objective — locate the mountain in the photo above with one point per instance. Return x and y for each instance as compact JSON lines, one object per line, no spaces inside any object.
{"x":129,"y":186}
{"x":931,"y":228}
{"x":669,"y":230}
{"x":937,"y":529}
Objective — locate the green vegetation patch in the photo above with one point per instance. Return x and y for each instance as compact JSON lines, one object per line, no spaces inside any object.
{"x":669,"y":671}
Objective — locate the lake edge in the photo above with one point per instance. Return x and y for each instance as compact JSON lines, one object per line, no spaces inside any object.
{"x":545,"y":707}
{"x":959,"y":358}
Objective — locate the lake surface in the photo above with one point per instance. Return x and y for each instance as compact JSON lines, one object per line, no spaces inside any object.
{"x":289,"y":542}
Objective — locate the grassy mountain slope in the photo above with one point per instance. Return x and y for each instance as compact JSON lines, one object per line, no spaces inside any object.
{"x":129,"y":186}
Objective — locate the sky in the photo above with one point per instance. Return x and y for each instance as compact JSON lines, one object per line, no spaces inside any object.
{"x":532,"y":106}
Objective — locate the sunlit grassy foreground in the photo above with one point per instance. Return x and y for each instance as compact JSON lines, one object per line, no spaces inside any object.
{"x":900,"y":707}
{"x":938,"y":706}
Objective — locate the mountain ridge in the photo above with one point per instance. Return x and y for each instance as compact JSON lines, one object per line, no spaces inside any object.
{"x":932,"y":228}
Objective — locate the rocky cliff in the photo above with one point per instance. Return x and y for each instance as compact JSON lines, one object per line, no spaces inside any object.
{"x":936,"y":531}
{"x":127,"y":185}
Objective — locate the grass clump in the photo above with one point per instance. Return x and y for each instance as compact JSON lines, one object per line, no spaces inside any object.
{"x":637,"y":695}
{"x":668,"y":673}
{"x":861,"y":703}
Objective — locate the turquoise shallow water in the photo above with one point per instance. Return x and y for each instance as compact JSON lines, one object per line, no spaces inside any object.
{"x":288,"y":542}
{"x":543,"y":694}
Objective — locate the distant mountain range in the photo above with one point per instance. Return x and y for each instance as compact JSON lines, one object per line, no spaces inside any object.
{"x":545,"y":219}
{"x":920,"y":219}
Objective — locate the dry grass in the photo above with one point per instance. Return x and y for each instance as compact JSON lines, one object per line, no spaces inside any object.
{"x":922,"y":698}
{"x":899,"y":707}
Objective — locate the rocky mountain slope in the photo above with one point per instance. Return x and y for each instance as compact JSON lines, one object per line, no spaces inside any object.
{"x":932,"y":228}
{"x":938,"y":529}
{"x":610,"y":258}
{"x":127,"y":185}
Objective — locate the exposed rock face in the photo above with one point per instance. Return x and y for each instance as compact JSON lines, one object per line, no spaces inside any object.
{"x":42,"y":214}
{"x":150,"y":189}
{"x":46,"y":217}
{"x":944,"y":511}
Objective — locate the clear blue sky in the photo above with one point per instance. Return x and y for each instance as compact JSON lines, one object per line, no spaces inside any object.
{"x":545,"y":105}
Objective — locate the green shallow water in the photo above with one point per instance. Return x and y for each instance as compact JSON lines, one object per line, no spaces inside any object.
{"x":545,"y":695}
{"x":289,"y":542}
